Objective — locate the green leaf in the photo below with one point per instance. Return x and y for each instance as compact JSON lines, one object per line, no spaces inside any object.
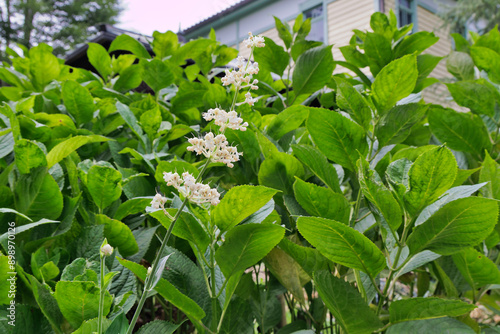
{"x":239,"y":318}
{"x":119,"y":235}
{"x":239,"y":203}
{"x":48,"y":304}
{"x":426,"y":308}
{"x":156,"y":74}
{"x":350,"y":100}
{"x":477,"y":269}
{"x":44,"y":66}
{"x":425,"y":65}
{"x":128,"y":43}
{"x":283,"y":32}
{"x":378,"y":51}
{"x":319,"y":165}
{"x":132,"y":206}
{"x":339,"y":138}
{"x":118,"y":326}
{"x":490,"y":172}
{"x":381,"y":197}
{"x":65,"y":148}
{"x":151,"y":121}
{"x":342,"y":244}
{"x":129,"y":79}
{"x":313,"y":70}
{"x":487,"y":60}
{"x":158,"y":327}
{"x":460,"y":131}
{"x":394,"y":82}
{"x":461,"y":65}
{"x":245,"y":245}
{"x":341,"y":299}
{"x":278,"y":172}
{"x":476,"y":95}
{"x":100,"y":59}
{"x":440,"y":325}
{"x":415,"y":43}
{"x":164,"y":44}
{"x":104,"y":185}
{"x":272,"y":58}
{"x":187,"y":227}
{"x":79,"y":301}
{"x":443,"y":232}
{"x":168,"y":291}
{"x":7,"y":275}
{"x":28,"y":156}
{"x":78,"y":102}
{"x":395,"y":126}
{"x":246,"y":142}
{"x":131,"y":120}
{"x":430,"y":176}
{"x":322,"y":202}
{"x":287,"y":120}
{"x":37,"y":195}
{"x":308,"y":258}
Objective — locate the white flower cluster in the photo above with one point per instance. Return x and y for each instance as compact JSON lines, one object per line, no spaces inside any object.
{"x":225,"y":119}
{"x":243,"y":75}
{"x":158,"y":201}
{"x":249,"y":99}
{"x":254,"y":41}
{"x":215,"y":148}
{"x":196,"y":192}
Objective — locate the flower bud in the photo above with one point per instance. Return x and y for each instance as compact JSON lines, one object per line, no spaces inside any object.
{"x":106,"y":250}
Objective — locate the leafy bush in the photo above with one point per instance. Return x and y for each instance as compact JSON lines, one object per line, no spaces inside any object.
{"x":354,"y":208}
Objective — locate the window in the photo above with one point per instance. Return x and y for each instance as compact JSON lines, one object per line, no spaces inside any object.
{"x":317,"y":25}
{"x":406,"y":8}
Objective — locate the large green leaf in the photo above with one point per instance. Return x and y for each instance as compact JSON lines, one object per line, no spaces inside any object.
{"x":487,"y":60}
{"x":477,"y":95}
{"x":79,"y":301}
{"x":128,"y":43}
{"x":100,"y":59}
{"x":272,"y":58}
{"x":476,"y":268}
{"x":342,"y":244}
{"x":7,"y":275}
{"x":426,"y":308}
{"x":461,"y":65}
{"x":104,"y":185}
{"x":313,"y":70}
{"x":460,"y":131}
{"x":129,"y":78}
{"x":396,"y":125}
{"x":378,"y":51}
{"x":440,"y":325}
{"x":490,"y":172}
{"x":415,"y":43}
{"x":283,"y":32}
{"x":47,"y":302}
{"x":287,"y":120}
{"x":444,"y":231}
{"x":245,"y":245}
{"x":43,"y":66}
{"x":78,"y":102}
{"x":168,"y":291}
{"x":278,"y":171}
{"x":65,"y":148}
{"x":322,"y":202}
{"x":239,"y":203}
{"x":394,"y":82}
{"x":319,"y":165}
{"x":430,"y":176}
{"x":379,"y":195}
{"x":308,"y":258}
{"x":37,"y":195}
{"x":158,"y":327}
{"x":119,"y":235}
{"x":156,"y":74}
{"x":164,"y":44}
{"x":339,"y":138}
{"x":346,"y":304}
{"x":350,"y":100}
{"x":28,"y":156}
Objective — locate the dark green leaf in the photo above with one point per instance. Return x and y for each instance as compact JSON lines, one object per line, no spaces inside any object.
{"x":272,"y":58}
{"x":440,"y":325}
{"x":78,"y":101}
{"x":350,"y":100}
{"x":158,"y":326}
{"x":313,"y":70}
{"x":104,"y":185}
{"x":283,"y":32}
{"x":477,"y":95}
{"x":119,"y":235}
{"x":415,"y":43}
{"x":476,"y":268}
{"x":490,"y":172}
{"x":426,"y":308}
{"x":287,"y":120}
{"x":129,"y":79}
{"x":278,"y":171}
{"x":378,"y":50}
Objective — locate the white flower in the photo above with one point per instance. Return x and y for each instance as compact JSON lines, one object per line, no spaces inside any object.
{"x":224,"y":120}
{"x":196,"y":192}
{"x":172,"y":179}
{"x":254,"y":41}
{"x":158,"y":201}
{"x":150,"y":270}
{"x":242,"y":76}
{"x":216,"y":148}
{"x":249,"y":99}
{"x":106,"y":250}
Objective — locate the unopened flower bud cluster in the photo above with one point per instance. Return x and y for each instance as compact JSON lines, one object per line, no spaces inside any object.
{"x":196,"y":192}
{"x":106,"y":250}
{"x":216,"y":148}
{"x":158,"y":201}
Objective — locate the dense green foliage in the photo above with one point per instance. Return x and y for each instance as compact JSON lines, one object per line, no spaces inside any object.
{"x":356,"y":207}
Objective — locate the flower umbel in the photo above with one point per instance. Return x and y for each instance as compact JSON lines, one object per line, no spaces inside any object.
{"x":254,"y":41}
{"x":225,"y":119}
{"x":196,"y":192}
{"x":158,"y":201}
{"x":216,"y":148}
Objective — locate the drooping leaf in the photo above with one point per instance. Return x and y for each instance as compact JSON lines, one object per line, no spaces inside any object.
{"x":337,"y":294}
{"x":308,"y":258}
{"x":278,"y":171}
{"x":128,"y":43}
{"x":65,"y":148}
{"x":340,"y":139}
{"x":287,"y":120}
{"x":443,"y":232}
{"x":476,"y":268}
{"x":350,"y":100}
{"x":119,"y":235}
{"x":342,"y":244}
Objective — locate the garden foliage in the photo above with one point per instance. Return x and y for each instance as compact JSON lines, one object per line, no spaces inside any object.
{"x":356,"y":206}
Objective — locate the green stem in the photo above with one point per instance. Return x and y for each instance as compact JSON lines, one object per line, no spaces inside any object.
{"x":148,"y":281}
{"x":213,"y":325}
{"x":101,"y":298}
{"x":356,"y":208}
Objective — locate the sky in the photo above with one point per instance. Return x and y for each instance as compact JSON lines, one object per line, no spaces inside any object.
{"x":146,"y":16}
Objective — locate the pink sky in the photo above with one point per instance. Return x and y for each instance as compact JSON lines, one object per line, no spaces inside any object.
{"x":146,"y":16}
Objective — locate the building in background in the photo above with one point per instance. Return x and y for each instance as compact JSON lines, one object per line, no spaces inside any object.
{"x":332,"y":22}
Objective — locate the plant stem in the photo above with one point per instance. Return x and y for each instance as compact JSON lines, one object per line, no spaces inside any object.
{"x":101,"y":297}
{"x":213,"y":325}
{"x":148,"y":281}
